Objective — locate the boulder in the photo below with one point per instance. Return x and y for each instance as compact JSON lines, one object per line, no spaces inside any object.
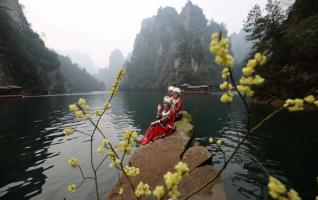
{"x":159,"y":157}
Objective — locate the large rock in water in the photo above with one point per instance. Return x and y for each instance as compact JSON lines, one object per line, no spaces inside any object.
{"x":157,"y":158}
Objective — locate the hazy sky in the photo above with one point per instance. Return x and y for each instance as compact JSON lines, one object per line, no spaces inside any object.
{"x":97,"y":27}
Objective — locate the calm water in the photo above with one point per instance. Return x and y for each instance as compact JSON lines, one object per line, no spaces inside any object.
{"x":34,"y":151}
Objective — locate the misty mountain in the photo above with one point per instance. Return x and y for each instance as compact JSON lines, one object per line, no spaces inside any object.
{"x":173,"y":48}
{"x":240,"y":46}
{"x":76,"y":78}
{"x":107,"y":75}
{"x":82,"y":59}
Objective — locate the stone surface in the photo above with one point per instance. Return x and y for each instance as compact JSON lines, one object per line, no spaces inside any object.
{"x":184,"y":125}
{"x":195,"y":156}
{"x":157,"y":158}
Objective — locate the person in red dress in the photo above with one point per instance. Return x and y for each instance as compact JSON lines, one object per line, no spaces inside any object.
{"x":163,"y":126}
{"x":176,"y":105}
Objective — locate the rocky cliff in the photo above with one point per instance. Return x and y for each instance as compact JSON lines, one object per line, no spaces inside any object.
{"x":172,"y":48}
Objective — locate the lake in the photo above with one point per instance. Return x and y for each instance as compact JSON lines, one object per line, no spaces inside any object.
{"x":34,"y":151}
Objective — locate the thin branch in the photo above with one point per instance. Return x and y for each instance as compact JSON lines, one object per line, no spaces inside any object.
{"x":224,"y":155}
{"x":256,"y":161}
{"x":239,"y":93}
{"x":266,"y":119}
{"x":234,"y":153}
{"x":83,"y":133}
{"x":101,"y":162}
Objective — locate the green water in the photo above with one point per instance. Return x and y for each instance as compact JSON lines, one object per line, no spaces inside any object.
{"x":34,"y":152}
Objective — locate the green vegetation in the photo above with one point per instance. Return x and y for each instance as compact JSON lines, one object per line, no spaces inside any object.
{"x":173,"y":48}
{"x":291,"y":41}
{"x":25,"y":61}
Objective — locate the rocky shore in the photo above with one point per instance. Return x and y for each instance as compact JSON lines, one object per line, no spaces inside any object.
{"x":159,"y":157}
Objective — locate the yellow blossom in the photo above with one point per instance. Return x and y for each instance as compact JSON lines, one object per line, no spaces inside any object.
{"x":98,"y":113}
{"x":294,"y":104}
{"x":227,"y":98}
{"x":71,"y":188}
{"x":218,"y":60}
{"x":82,"y":102}
{"x":142,"y":189}
{"x":105,"y":142}
{"x":73,"y":107}
{"x":310,"y":99}
{"x":121,"y":191}
{"x":88,"y":117}
{"x":124,"y":146}
{"x":215,"y":49}
{"x":73,"y":162}
{"x":68,"y":131}
{"x":293,"y":195}
{"x":225,"y":43}
{"x":260,"y":58}
{"x":211,"y":140}
{"x":118,"y":78}
{"x":247,"y":71}
{"x":100,"y":149}
{"x":215,"y":36}
{"x":131,"y":171}
{"x":316,"y":103}
{"x":225,"y":75}
{"x":251,"y":63}
{"x":79,"y":114}
{"x":258,"y":80}
{"x":219,"y":142}
{"x":107,"y":106}
{"x":275,"y":187}
{"x":115,"y":162}
{"x":171,"y":179}
{"x":158,"y":192}
{"x":181,"y":168}
{"x":226,"y":86}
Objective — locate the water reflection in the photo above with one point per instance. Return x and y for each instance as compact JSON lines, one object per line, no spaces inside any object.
{"x":24,"y":145}
{"x":34,"y":152}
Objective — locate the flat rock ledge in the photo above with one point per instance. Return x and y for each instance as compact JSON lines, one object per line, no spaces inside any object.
{"x":159,"y":157}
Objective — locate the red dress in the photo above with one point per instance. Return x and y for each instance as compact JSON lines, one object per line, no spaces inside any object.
{"x":160,"y":128}
{"x":177,"y":107}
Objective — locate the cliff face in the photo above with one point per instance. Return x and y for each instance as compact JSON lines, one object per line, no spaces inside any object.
{"x":24,"y":59}
{"x":14,"y":10}
{"x":172,"y":48}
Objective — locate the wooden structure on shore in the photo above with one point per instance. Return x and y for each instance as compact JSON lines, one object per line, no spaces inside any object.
{"x":10,"y":91}
{"x":195,"y":88}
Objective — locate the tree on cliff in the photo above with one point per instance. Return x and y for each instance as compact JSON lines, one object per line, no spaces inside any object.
{"x":291,"y":40}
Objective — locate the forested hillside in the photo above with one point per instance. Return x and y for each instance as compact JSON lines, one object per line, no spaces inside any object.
{"x":290,"y":39}
{"x":27,"y":62}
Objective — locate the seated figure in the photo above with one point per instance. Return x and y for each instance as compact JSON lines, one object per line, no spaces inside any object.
{"x":170,"y":92}
{"x":163,"y":126}
{"x":176,"y":105}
